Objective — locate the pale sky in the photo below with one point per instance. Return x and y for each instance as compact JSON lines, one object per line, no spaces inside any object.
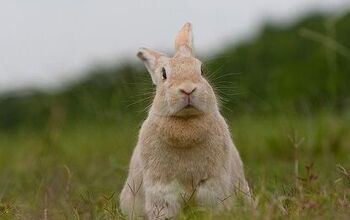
{"x":44,"y":43}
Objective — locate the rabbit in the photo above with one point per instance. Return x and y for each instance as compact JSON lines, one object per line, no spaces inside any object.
{"x":184,"y":152}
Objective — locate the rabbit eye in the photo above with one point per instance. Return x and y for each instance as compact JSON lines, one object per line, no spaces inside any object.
{"x":202,"y":71}
{"x":164,"y":73}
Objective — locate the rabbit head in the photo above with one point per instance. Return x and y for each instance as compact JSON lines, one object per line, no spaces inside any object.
{"x":181,"y":89}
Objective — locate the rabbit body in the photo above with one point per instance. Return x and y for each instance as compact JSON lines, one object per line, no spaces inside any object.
{"x":184,"y":153}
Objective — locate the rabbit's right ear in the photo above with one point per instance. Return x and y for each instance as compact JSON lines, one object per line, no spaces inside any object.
{"x":184,"y":41}
{"x":151,"y":59}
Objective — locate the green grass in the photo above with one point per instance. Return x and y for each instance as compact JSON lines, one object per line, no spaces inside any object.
{"x":298,"y":168}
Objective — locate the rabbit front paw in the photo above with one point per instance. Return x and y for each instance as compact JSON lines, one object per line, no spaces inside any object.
{"x":162,"y":202}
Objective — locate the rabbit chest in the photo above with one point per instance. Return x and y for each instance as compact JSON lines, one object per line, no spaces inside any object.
{"x":189,"y":153}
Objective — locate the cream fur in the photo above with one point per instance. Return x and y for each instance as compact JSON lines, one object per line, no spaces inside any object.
{"x":182,"y":153}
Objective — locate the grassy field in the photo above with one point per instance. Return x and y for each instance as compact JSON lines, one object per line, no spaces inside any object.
{"x":298,"y":168}
{"x":65,"y":154}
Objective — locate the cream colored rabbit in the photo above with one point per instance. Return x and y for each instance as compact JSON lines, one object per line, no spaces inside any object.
{"x":184,"y":150}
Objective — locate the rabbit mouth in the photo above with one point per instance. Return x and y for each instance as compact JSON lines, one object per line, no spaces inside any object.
{"x":188,"y":110}
{"x":188,"y":106}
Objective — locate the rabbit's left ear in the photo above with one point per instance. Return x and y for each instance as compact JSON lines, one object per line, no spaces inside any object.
{"x":151,"y":59}
{"x":184,"y":41}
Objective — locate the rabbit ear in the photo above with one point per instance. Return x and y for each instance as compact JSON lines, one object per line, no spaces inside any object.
{"x":183,"y":41}
{"x":151,"y":59}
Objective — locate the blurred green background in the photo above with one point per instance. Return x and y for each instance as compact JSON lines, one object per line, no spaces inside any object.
{"x":285,"y":94}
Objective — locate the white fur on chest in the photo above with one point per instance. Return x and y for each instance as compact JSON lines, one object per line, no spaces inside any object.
{"x":188,"y":166}
{"x":191,"y":155}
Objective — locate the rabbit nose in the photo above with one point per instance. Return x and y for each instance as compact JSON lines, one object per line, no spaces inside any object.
{"x":187,"y":91}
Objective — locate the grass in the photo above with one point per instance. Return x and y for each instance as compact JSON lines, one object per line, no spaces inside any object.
{"x":298,"y":168}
